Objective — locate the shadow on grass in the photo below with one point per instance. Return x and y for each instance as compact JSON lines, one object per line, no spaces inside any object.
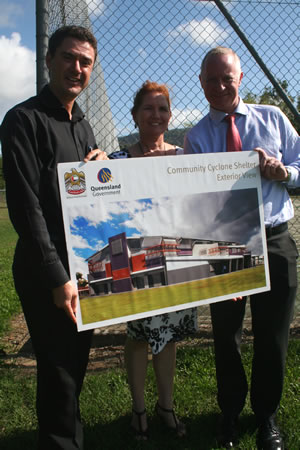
{"x":20,"y":440}
{"x":201,"y":435}
{"x":116,"y":436}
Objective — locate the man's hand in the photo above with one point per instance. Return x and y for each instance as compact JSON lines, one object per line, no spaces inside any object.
{"x":95,"y":155}
{"x":270,"y":167}
{"x":65,"y":297}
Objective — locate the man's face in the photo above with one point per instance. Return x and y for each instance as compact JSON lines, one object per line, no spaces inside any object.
{"x":220,"y":80}
{"x":70,"y":68}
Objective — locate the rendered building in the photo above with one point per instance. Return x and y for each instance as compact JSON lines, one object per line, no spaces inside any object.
{"x":130,"y":263}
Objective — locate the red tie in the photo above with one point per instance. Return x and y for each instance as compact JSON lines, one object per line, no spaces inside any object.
{"x":233,"y":139}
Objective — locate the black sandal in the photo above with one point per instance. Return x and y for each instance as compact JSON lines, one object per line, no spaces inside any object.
{"x":179,"y":428}
{"x":139,"y":433}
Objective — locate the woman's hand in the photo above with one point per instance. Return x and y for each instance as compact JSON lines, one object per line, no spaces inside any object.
{"x":236,"y":299}
{"x":95,"y":155}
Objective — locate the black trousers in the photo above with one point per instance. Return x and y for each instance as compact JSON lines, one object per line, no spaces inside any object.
{"x":62,"y":356}
{"x":272,"y":313}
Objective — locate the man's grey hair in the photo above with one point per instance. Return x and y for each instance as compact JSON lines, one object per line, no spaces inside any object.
{"x":219,"y":51}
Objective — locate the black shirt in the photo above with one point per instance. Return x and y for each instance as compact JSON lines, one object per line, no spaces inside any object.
{"x":36,"y":135}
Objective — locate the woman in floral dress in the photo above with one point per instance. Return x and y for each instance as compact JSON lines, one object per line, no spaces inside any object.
{"x":151,"y":113}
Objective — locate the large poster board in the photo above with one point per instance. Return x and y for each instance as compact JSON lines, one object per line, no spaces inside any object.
{"x":152,"y":235}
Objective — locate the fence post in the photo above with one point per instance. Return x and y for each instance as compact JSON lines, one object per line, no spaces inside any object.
{"x":42,"y":36}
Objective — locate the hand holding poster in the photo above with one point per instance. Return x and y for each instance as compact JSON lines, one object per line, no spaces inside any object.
{"x":152,"y":235}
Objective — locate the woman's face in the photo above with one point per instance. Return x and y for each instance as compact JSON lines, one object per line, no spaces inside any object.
{"x":153,"y":115}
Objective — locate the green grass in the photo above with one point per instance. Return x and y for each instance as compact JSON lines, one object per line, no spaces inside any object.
{"x":105,"y":406}
{"x":9,"y":303}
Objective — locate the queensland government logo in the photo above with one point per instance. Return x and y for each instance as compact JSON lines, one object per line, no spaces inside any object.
{"x":75,"y":183}
{"x":104,"y":175}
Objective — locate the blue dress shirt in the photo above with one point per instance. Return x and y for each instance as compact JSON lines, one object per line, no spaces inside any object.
{"x":261,"y":126}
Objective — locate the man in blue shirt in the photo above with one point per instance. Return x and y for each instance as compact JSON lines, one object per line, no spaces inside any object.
{"x":268,"y":131}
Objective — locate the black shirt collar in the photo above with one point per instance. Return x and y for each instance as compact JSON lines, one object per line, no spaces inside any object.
{"x":50,"y":101}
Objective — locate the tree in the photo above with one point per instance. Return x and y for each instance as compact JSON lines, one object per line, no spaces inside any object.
{"x":81,"y":282}
{"x":270,"y":96}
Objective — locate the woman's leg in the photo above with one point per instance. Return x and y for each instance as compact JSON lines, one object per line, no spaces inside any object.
{"x":164,"y":364}
{"x":136,"y":360}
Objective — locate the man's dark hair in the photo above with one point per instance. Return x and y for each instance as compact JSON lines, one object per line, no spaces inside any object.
{"x":74,"y":31}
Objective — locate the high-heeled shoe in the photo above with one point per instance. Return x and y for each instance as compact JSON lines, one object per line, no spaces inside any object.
{"x":179,"y":427}
{"x":139,"y":433}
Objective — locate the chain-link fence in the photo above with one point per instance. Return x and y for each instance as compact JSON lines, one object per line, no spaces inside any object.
{"x":165,"y":41}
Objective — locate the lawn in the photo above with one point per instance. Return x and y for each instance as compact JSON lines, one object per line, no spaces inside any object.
{"x":105,"y":405}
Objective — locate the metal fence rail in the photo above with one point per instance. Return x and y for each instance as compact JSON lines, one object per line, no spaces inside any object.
{"x":165,"y":41}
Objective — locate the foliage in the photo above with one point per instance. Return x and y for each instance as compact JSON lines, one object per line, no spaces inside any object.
{"x":127,"y":141}
{"x":106,"y":405}
{"x":270,"y":96}
{"x":81,"y":281}
{"x":175,"y":137}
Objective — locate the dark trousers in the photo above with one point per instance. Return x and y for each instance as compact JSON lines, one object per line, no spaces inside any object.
{"x":272,"y":313}
{"x":62,"y":356}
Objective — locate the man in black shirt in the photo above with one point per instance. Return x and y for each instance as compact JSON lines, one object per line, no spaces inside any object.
{"x":36,"y":135}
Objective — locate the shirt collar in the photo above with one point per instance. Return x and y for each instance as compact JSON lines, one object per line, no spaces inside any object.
{"x":51,"y":101}
{"x":218,"y":116}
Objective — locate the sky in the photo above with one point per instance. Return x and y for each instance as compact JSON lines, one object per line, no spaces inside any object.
{"x":17,"y":52}
{"x":234,"y":220}
{"x":165,"y":42}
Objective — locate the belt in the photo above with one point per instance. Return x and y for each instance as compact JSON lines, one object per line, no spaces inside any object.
{"x":271,"y":231}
